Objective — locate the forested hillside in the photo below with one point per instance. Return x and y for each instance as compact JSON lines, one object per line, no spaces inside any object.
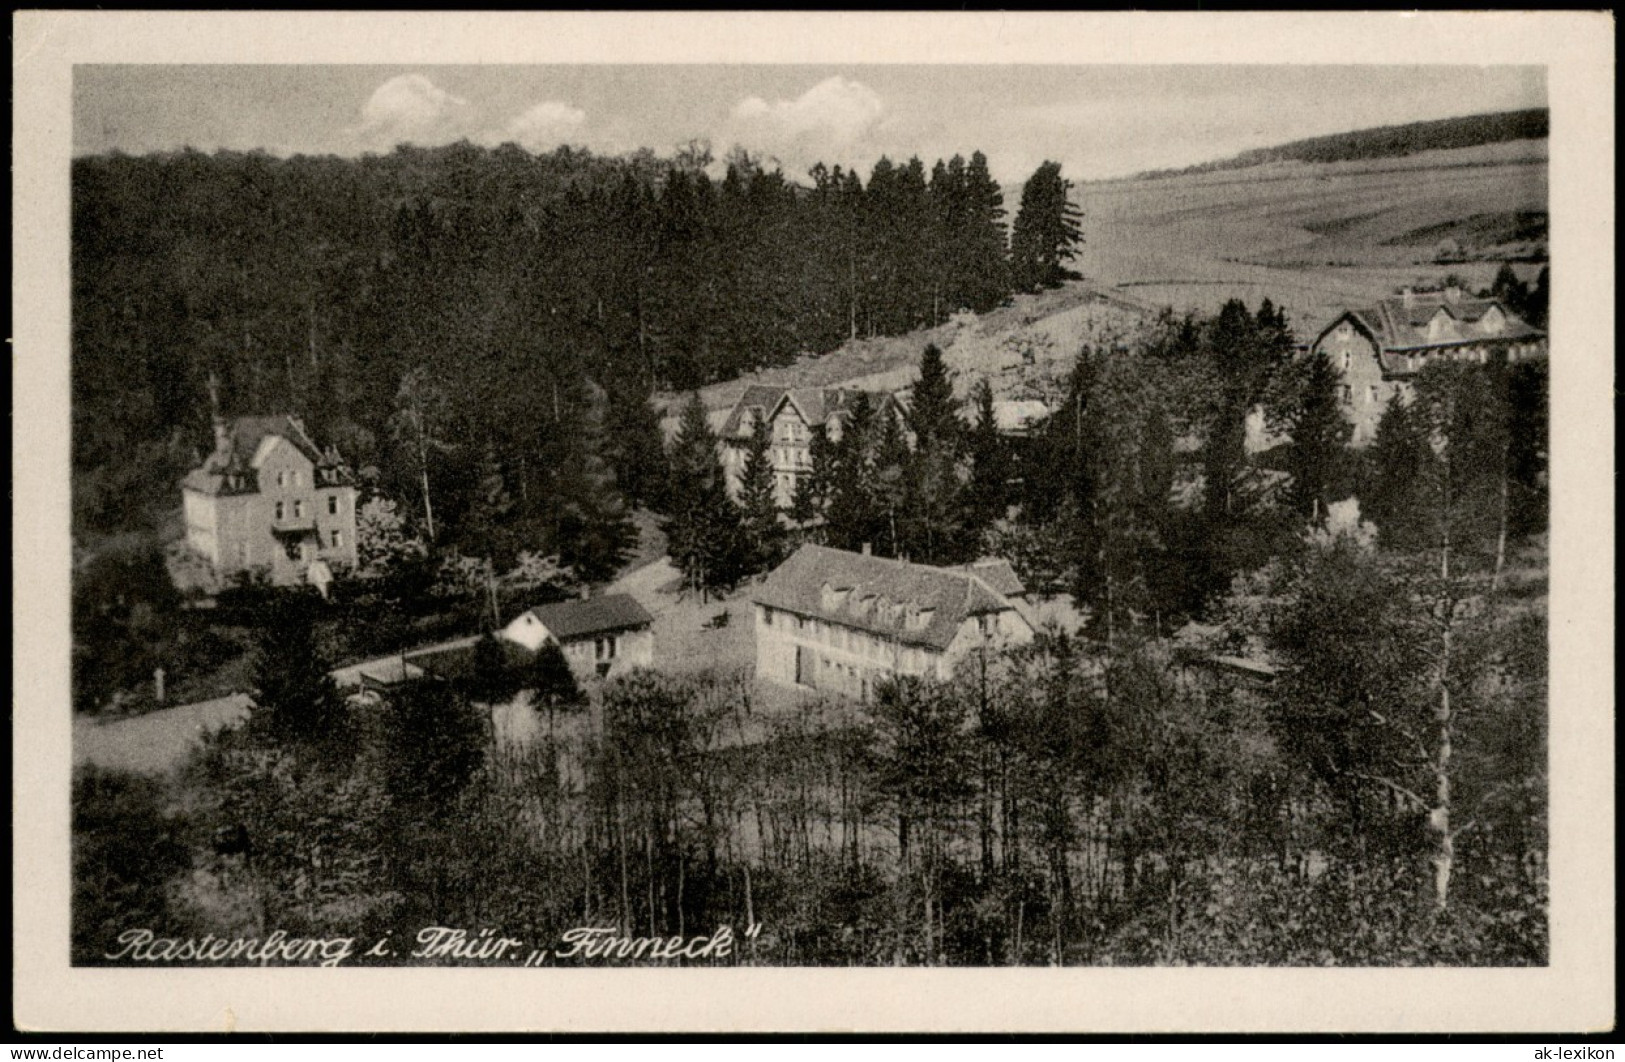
{"x":482,"y":316}
{"x":1390,"y":141}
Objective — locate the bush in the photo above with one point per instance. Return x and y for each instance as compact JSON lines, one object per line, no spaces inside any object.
{"x":126,"y":853}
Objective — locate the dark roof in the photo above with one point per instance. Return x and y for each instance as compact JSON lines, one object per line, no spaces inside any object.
{"x":1400,"y":325}
{"x":568,"y":620}
{"x":998,"y":575}
{"x":815,"y":404}
{"x":949,"y":595}
{"x":243,"y":438}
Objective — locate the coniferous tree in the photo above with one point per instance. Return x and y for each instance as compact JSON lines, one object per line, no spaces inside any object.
{"x":492,"y":679}
{"x":592,"y":529}
{"x":932,"y":413}
{"x":297,"y":701}
{"x":758,"y":500}
{"x":703,"y":526}
{"x":979,"y":275}
{"x":436,"y":744}
{"x":854,"y":511}
{"x":1046,"y":231}
{"x":633,"y":445}
{"x":1539,"y":300}
{"x":550,"y":678}
{"x":989,"y":489}
{"x":1314,"y":419}
{"x":813,"y":485}
{"x":1510,"y":291}
{"x":1397,"y":464}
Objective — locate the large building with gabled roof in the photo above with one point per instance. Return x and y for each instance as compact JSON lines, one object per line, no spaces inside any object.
{"x":829,"y":619}
{"x":269,"y":500}
{"x":793,"y":413}
{"x":1379,"y":350}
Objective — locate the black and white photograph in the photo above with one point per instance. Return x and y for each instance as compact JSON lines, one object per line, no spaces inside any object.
{"x":686,"y":515}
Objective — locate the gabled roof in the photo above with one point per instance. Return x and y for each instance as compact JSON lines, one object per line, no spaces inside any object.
{"x":1400,"y":325}
{"x":245,"y":450}
{"x":760,"y":397}
{"x":813,"y":404}
{"x":569,"y":620}
{"x":997,"y":574}
{"x":950,"y":595}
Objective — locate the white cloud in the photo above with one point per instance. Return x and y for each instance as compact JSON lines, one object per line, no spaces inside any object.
{"x":545,"y":126}
{"x":412,"y":109}
{"x":825,"y":123}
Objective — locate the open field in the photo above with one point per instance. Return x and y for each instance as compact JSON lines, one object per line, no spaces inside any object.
{"x":1313,"y":238}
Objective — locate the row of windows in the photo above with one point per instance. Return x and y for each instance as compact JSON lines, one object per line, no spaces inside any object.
{"x":839,"y":637}
{"x":1373,"y":394}
{"x":296,"y":549}
{"x":299,"y":508}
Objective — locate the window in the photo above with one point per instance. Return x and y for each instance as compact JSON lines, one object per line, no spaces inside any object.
{"x":604,"y":648}
{"x":336,"y":539}
{"x":332,"y":505}
{"x":767,"y":616}
{"x":1347,"y":357}
{"x":279,"y":509}
{"x":293,"y":478}
{"x":1373,"y":394}
{"x":298,"y":509}
{"x":1347,"y":394}
{"x":282,"y":479}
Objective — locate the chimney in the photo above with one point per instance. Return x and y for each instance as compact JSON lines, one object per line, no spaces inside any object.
{"x":1408,"y":295}
{"x":1452,"y":293}
{"x":222,"y":436}
{"x":158,"y":684}
{"x":586,"y":593}
{"x":866,"y":549}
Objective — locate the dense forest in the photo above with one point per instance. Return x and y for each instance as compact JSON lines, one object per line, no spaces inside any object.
{"x":1375,"y":796}
{"x":461,"y":316}
{"x":1389,"y":141}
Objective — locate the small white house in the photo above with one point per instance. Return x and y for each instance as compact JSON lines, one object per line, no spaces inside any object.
{"x":600,"y":636}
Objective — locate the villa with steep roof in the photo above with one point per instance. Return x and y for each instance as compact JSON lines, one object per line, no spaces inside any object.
{"x":268,"y":499}
{"x":828,"y":619}
{"x":794,"y":414}
{"x":1380,"y":350}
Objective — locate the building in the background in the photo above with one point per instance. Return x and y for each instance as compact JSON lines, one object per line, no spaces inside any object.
{"x":600,"y":636}
{"x":827,"y":619}
{"x":1379,"y":351}
{"x":793,"y":414}
{"x":268,"y":499}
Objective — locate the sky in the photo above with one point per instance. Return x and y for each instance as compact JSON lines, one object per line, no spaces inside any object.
{"x":1097,"y":121}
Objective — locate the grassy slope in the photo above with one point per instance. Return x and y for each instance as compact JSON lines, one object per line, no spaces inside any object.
{"x":1312,"y":237}
{"x":1315,"y":238}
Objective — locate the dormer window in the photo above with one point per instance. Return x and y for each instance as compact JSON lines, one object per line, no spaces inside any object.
{"x":833,"y":598}
{"x":919,"y":619}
